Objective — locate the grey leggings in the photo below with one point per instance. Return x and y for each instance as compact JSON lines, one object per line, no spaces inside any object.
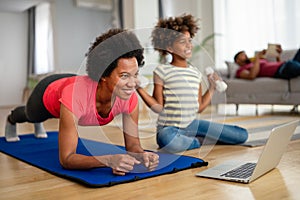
{"x":34,"y":111}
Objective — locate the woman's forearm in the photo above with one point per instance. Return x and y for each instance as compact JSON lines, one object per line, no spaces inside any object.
{"x":79,"y":161}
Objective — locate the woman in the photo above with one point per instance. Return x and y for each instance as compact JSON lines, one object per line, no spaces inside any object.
{"x":113,"y":63}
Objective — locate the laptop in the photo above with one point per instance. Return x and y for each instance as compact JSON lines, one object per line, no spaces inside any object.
{"x":245,"y":171}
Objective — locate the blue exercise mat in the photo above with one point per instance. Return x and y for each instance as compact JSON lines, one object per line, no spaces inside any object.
{"x":43,"y":153}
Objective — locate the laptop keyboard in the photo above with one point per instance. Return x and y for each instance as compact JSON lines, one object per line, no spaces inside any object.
{"x":243,"y":171}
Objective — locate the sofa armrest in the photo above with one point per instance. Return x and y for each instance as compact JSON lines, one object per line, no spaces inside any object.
{"x":223,"y":73}
{"x":288,"y":54}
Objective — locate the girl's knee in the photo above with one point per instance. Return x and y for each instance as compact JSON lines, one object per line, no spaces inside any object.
{"x":174,"y":142}
{"x":242,"y":135}
{"x":165,"y":136}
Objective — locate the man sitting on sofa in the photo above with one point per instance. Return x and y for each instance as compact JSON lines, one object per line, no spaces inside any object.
{"x":260,"y":67}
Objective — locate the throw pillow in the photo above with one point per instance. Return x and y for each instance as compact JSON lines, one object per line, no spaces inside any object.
{"x":232,"y":68}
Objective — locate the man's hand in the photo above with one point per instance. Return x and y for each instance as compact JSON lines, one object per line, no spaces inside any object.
{"x":261,"y":54}
{"x":278,"y":48}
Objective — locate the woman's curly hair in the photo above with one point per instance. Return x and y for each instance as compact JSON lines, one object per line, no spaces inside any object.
{"x":108,"y":48}
{"x":167,"y":31}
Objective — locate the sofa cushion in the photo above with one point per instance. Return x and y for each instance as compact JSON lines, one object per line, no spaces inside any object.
{"x":295,"y":84}
{"x":258,"y":91}
{"x":258,"y":85}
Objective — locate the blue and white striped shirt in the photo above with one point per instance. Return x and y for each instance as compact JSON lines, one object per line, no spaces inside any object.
{"x":180,"y":93}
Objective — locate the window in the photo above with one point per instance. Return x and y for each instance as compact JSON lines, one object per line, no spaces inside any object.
{"x":43,"y":45}
{"x":251,"y":24}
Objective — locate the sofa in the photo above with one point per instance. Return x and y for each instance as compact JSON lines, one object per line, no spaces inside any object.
{"x":261,"y":90}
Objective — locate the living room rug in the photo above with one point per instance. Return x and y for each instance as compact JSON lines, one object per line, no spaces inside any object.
{"x":43,"y":153}
{"x":259,"y":127}
{"x":259,"y":136}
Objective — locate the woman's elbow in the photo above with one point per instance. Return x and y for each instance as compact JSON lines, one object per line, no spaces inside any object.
{"x":64,"y":164}
{"x":64,"y":161}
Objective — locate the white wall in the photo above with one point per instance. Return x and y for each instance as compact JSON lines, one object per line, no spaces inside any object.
{"x":74,"y":29}
{"x":13,"y":57}
{"x":203,"y":10}
{"x":140,"y":16}
{"x":178,"y":7}
{"x":205,"y":14}
{"x":137,"y":17}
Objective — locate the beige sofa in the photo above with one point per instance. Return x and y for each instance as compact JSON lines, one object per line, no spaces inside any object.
{"x":261,"y":90}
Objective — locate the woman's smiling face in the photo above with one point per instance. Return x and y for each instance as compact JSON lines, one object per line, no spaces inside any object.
{"x":123,"y":80}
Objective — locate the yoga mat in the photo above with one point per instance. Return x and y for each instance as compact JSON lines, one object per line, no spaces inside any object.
{"x":43,"y":153}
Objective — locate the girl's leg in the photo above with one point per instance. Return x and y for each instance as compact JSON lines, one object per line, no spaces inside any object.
{"x":173,"y":140}
{"x":224,"y":133}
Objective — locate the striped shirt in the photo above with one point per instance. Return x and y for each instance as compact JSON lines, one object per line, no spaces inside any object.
{"x":180,"y":93}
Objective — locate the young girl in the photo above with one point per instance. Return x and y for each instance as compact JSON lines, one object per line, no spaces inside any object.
{"x":177,"y":94}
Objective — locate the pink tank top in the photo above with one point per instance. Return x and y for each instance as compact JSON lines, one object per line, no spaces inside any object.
{"x":78,"y":94}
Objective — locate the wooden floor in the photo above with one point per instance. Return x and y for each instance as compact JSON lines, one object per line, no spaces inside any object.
{"x":19,"y":180}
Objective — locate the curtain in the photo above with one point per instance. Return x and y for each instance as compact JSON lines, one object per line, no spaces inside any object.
{"x":43,"y":40}
{"x":160,"y":9}
{"x":117,"y":14}
{"x":251,"y":24}
{"x":31,"y":38}
{"x":120,"y":14}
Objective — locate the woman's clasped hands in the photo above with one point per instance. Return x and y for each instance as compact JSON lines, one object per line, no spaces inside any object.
{"x":124,"y":163}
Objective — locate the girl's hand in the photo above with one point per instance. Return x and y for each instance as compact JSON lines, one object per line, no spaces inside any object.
{"x":142,"y":81}
{"x":212,"y":78}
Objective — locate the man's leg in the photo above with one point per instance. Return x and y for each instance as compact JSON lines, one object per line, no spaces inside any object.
{"x":297,"y":56}
{"x":290,"y":69}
